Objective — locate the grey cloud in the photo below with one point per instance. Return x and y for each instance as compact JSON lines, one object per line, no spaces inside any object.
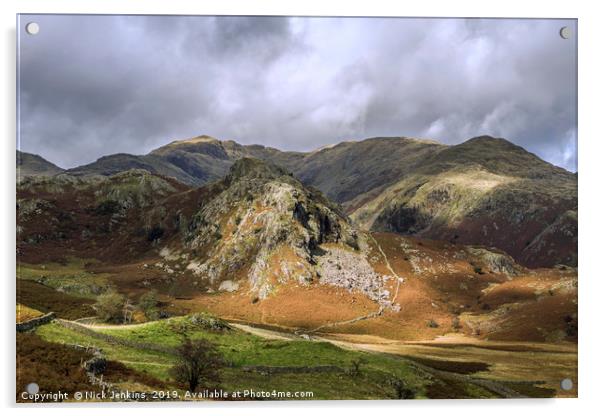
{"x":94,"y":85}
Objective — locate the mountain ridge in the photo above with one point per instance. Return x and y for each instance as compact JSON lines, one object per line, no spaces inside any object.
{"x":29,"y":164}
{"x":460,"y":193}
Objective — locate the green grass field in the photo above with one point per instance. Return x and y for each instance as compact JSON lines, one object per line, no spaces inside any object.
{"x":242,"y":349}
{"x":71,"y":278}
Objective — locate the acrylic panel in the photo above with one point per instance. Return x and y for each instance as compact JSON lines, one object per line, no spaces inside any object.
{"x":295,"y":208}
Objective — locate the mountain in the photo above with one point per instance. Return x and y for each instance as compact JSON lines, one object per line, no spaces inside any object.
{"x":256,"y":220}
{"x":196,"y":161}
{"x":484,"y":191}
{"x":33,"y":165}
{"x":257,"y":228}
{"x":259,"y":246}
{"x":253,"y":231}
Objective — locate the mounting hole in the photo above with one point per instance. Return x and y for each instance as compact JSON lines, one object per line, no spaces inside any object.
{"x":565,"y":32}
{"x":32,"y":388}
{"x":566,"y":384}
{"x":32,"y":28}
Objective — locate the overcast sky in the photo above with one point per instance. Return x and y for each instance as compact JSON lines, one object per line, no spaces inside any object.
{"x":96,"y":85}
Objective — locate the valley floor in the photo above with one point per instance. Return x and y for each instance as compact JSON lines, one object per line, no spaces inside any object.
{"x":542,"y":364}
{"x":270,"y":358}
{"x":454,"y":335}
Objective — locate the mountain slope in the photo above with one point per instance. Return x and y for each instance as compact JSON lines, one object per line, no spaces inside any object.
{"x":484,"y":191}
{"x":29,"y":164}
{"x":350,"y":172}
{"x":260,"y":246}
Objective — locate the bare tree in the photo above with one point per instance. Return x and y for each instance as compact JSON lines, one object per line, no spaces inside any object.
{"x":128,"y":312}
{"x":354,"y":371}
{"x":198,"y":363}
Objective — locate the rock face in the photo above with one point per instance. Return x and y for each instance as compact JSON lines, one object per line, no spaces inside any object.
{"x":494,"y":262}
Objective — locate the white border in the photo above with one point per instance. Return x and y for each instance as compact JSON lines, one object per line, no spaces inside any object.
{"x":590,"y":135}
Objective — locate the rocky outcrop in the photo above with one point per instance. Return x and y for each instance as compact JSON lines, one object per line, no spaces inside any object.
{"x":494,"y":262}
{"x":261,"y":220}
{"x":352,"y":271}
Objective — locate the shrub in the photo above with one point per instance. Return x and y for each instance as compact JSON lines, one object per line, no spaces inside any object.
{"x":571,"y":328}
{"x":109,"y":306}
{"x":456,"y":323}
{"x":148,"y":305}
{"x":400,"y":390}
{"x":107,"y":207}
{"x":431,"y":323}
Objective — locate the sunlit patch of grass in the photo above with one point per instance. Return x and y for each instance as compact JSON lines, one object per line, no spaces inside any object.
{"x":137,"y":359}
{"x":241,"y":349}
{"x":25,"y":313}
{"x":71,"y":277}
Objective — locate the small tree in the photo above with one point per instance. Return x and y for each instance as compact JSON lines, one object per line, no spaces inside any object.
{"x":109,"y":306}
{"x":198,"y":363}
{"x":354,"y":371}
{"x":148,"y":305}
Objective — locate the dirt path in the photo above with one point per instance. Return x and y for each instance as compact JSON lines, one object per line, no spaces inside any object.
{"x":107,"y":326}
{"x":386,"y":259}
{"x":264,"y":333}
{"x":371,"y":315}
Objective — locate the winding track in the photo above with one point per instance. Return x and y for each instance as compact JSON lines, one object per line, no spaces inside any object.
{"x":384,"y":256}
